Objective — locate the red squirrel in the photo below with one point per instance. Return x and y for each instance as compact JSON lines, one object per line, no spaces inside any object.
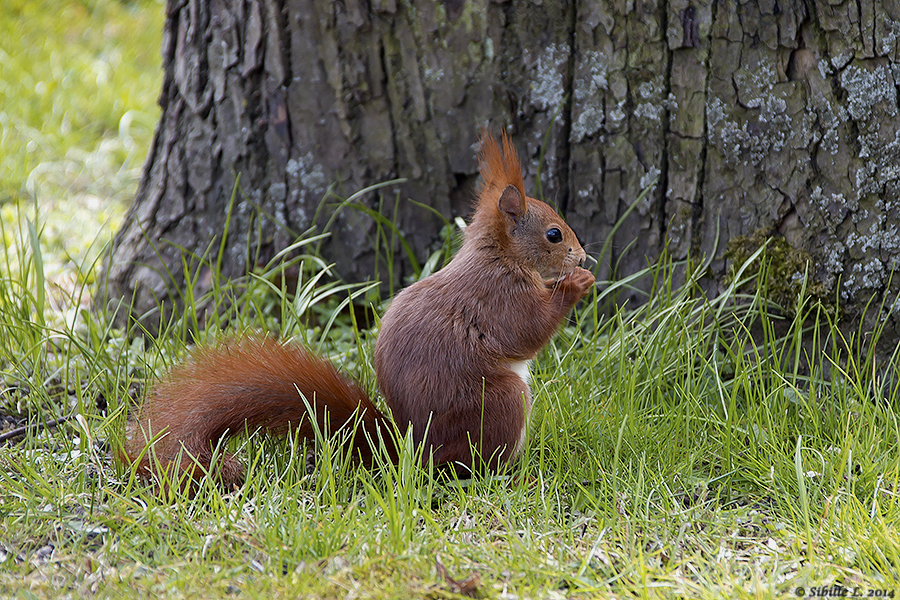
{"x":451,"y":356}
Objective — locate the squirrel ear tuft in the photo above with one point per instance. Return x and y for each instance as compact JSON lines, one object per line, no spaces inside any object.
{"x":499,"y":167}
{"x":511,"y":202}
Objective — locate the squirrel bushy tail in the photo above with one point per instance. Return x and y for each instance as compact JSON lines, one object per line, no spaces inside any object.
{"x":245,"y":385}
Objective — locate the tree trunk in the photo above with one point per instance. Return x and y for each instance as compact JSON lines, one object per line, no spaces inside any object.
{"x":761,"y":117}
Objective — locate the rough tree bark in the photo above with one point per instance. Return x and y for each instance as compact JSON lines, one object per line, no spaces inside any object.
{"x":772,"y":116}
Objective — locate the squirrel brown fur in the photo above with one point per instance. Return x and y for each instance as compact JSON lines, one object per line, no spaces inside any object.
{"x":451,"y":357}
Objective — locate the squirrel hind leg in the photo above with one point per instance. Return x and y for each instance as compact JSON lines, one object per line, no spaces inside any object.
{"x":166,"y":455}
{"x":157,"y":462}
{"x":490,"y":434}
{"x":227,"y":471}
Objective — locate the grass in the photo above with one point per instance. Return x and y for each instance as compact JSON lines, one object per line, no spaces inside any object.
{"x":78,"y":88}
{"x":671,"y":452}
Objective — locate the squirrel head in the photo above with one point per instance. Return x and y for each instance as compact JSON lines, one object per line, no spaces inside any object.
{"x":526,"y":230}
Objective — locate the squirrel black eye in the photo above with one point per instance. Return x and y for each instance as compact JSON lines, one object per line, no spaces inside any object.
{"x":554,"y":235}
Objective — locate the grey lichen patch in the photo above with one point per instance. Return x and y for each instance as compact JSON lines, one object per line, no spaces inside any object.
{"x":867,"y":88}
{"x":833,"y":207}
{"x":586,"y":192}
{"x":831,"y":117}
{"x":651,"y":100}
{"x":868,"y":253}
{"x":865,"y":276}
{"x":872,"y":103}
{"x":770,"y":130}
{"x":839,"y":61}
{"x":671,"y":103}
{"x":547,"y":89}
{"x":617,"y":115}
{"x":649,"y":111}
{"x":783,"y":272}
{"x":651,"y":177}
{"x":431,"y":76}
{"x":488,"y":49}
{"x":890,"y":37}
{"x":832,"y":264}
{"x":648,"y":90}
{"x":881,"y":236}
{"x":310,"y":174}
{"x":879,"y":174}
{"x":830,"y":142}
{"x":589,"y":85}
{"x":752,"y":84}
{"x":247,"y":204}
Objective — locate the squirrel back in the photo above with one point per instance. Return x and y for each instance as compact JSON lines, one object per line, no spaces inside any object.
{"x":451,"y":357}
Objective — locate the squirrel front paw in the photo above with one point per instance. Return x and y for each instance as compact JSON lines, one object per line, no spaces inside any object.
{"x":573,"y":287}
{"x":580,"y":281}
